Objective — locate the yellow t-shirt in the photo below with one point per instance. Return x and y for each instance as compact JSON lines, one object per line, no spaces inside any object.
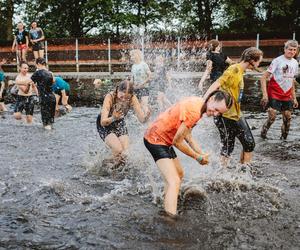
{"x":233,"y":83}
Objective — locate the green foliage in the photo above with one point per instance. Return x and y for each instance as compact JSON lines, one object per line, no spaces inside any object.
{"x":116,"y":18}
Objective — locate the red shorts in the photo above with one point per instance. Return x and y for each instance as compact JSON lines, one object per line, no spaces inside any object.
{"x":22,"y":46}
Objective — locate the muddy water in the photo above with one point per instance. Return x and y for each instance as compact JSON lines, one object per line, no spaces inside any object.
{"x":55,"y":193}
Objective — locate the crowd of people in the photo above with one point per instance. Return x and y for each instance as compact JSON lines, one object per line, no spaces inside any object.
{"x":172,"y":128}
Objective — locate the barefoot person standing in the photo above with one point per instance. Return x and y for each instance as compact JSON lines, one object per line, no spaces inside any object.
{"x":279,"y":94}
{"x":111,"y":123}
{"x":232,"y":124}
{"x":37,"y":37}
{"x":44,"y":80}
{"x":173,"y":128}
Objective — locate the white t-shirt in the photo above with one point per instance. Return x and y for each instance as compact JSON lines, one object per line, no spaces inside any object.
{"x":283,"y":72}
{"x":140,"y":73}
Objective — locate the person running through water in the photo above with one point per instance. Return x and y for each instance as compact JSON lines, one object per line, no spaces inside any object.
{"x":21,"y":41}
{"x":2,"y":87}
{"x":216,"y":62}
{"x":61,"y":91}
{"x":25,"y":97}
{"x":279,"y":94}
{"x":159,"y":83}
{"x":44,"y":80}
{"x":37,"y":37}
{"x":232,"y":124}
{"x":174,"y":128}
{"x":141,"y":76}
{"x":111,"y":123}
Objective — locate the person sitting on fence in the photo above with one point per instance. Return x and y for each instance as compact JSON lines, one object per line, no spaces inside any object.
{"x":111,"y":123}
{"x":37,"y":37}
{"x":61,"y":90}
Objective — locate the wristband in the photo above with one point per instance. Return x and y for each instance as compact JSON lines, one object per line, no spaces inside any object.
{"x":199,"y":158}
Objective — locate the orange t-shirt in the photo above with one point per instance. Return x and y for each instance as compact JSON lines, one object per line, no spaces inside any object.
{"x":162,"y":131}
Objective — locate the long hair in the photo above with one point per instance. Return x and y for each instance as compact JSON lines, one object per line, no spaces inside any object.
{"x":124,"y":86}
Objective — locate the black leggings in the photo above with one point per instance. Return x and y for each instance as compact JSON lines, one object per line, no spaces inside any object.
{"x":229,"y":129}
{"x":48,"y":104}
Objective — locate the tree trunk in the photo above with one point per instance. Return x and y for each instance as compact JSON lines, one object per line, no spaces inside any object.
{"x":9,"y":19}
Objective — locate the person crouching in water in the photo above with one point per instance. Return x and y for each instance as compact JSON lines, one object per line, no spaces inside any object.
{"x":173,"y":128}
{"x":111,"y":123}
{"x":44,"y":80}
{"x":61,"y":90}
{"x":232,"y":124}
{"x":25,"y":97}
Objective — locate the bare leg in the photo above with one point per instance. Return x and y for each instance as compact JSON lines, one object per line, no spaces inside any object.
{"x":246,"y":157}
{"x":18,"y":115}
{"x":268,"y":123}
{"x":41,"y":53}
{"x":114,"y":144}
{"x":29,"y":119}
{"x":172,"y":179}
{"x":36,"y":54}
{"x":285,"y":128}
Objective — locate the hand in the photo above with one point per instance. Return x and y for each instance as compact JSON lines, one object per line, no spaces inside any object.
{"x":264,"y":101}
{"x":117,"y":114}
{"x":204,"y":160}
{"x":295,"y":105}
{"x":12,"y":49}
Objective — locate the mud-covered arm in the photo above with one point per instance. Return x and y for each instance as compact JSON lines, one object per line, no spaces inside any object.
{"x":263,"y":82}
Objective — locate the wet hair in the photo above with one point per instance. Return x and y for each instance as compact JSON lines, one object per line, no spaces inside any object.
{"x":213,"y":44}
{"x":41,"y":61}
{"x":219,"y":96}
{"x":251,"y":53}
{"x":23,"y":62}
{"x":291,"y":43}
{"x":124,"y":86}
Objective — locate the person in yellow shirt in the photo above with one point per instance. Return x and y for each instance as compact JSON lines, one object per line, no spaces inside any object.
{"x":232,"y":124}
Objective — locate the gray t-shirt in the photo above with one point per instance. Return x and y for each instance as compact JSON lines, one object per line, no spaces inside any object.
{"x":139,"y":73}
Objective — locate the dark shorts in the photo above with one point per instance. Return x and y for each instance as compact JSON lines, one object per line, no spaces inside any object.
{"x":25,"y":102}
{"x":280,"y":105}
{"x":229,"y":129}
{"x":58,"y":92}
{"x":160,"y":151}
{"x":118,"y":127}
{"x":38,"y":46}
{"x":141,"y":92}
{"x":3,"y":95}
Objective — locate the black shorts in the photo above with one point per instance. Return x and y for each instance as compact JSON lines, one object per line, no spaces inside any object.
{"x":141,"y":92}
{"x":118,"y":127}
{"x":280,"y":105}
{"x":58,"y":92}
{"x":25,"y":102}
{"x":38,"y":46}
{"x":3,"y":95}
{"x":160,"y":151}
{"x":229,"y":129}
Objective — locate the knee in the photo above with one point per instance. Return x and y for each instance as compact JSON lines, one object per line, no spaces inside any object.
{"x":174,"y":183}
{"x":272,"y":118}
{"x":17,"y":116}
